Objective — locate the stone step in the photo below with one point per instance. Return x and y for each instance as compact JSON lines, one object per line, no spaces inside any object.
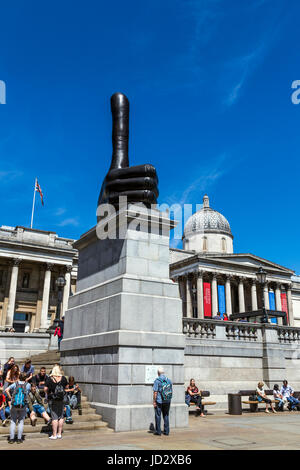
{"x":40,"y":430}
{"x":76,"y":418}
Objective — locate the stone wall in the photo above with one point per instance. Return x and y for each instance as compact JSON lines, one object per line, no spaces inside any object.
{"x":225,"y":357}
{"x":21,"y":345}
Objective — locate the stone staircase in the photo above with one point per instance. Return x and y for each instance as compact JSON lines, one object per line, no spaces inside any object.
{"x":88,"y":421}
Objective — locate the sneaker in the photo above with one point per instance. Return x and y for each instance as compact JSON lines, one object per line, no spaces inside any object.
{"x":19,"y":441}
{"x":59,"y":436}
{"x":11,"y":441}
{"x":4,"y":422}
{"x":53,"y":438}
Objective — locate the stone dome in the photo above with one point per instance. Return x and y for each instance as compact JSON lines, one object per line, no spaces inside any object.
{"x":207,"y":220}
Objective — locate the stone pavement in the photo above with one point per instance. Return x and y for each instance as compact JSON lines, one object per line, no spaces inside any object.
{"x":279,"y":431}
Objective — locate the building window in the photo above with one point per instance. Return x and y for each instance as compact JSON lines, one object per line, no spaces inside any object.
{"x":204,"y":243}
{"x":25,"y":280}
{"x":223,"y":245}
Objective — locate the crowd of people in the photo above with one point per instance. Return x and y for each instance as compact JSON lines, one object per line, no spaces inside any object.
{"x":24,"y":394}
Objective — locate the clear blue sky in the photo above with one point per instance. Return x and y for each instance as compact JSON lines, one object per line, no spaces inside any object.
{"x":209,"y":82}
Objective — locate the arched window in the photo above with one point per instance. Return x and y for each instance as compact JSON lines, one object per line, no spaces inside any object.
{"x":204,"y":247}
{"x":223,"y":245}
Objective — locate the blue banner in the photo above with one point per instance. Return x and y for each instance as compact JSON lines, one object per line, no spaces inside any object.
{"x":221,"y":299}
{"x":272,"y":304}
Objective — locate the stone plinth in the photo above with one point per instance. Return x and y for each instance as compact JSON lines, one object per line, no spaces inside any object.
{"x":125,"y":317}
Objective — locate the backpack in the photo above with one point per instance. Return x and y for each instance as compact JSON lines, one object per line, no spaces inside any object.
{"x":19,"y":395}
{"x":166,"y":391}
{"x":59,"y":392}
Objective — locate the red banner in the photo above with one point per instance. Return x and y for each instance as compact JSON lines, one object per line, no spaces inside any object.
{"x":207,"y":299}
{"x":284,"y":305}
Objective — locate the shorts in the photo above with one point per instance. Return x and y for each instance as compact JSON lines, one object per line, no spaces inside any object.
{"x":57,"y":409}
{"x":38,"y":408}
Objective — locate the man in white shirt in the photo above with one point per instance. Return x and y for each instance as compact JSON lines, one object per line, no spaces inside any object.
{"x":287,"y":392}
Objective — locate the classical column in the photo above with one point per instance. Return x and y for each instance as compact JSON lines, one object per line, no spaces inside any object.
{"x":66,"y":293}
{"x":266,"y":296}
{"x":228,"y":295}
{"x":278,"y":301}
{"x":241,"y":295}
{"x":39,"y":302}
{"x":182,"y":291}
{"x":189,"y":301}
{"x":5,"y":299}
{"x":254,"y":295}
{"x":12,"y":292}
{"x":214,"y":295}
{"x":46,"y":292}
{"x":200,"y":295}
{"x":290,"y":305}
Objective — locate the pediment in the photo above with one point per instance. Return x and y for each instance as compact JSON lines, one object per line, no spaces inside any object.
{"x":252,"y":261}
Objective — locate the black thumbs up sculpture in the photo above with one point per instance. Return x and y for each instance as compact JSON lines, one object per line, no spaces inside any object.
{"x":137,"y":183}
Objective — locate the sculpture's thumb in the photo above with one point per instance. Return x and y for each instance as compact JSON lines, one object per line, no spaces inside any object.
{"x":120,"y":131}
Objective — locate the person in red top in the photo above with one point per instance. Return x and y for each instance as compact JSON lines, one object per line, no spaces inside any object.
{"x":225,"y":317}
{"x":2,"y":406}
{"x":195,"y":396}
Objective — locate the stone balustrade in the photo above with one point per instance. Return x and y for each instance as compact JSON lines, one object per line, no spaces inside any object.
{"x":288,"y":334}
{"x":236,"y":331}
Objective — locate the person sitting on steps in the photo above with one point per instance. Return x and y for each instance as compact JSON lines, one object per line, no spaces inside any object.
{"x":36,"y":406}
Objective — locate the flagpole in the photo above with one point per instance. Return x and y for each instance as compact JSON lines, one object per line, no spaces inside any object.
{"x":33,"y":203}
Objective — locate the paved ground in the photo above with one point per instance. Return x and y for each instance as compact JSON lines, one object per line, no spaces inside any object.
{"x":213,"y":432}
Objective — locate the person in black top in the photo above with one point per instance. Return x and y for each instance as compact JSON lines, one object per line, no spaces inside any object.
{"x":55,"y":388}
{"x":39,"y":379}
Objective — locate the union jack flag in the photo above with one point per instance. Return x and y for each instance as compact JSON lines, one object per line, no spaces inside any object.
{"x":39,"y":190}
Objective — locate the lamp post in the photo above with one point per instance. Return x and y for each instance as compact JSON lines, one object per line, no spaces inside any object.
{"x":261,"y":277}
{"x":60,"y":283}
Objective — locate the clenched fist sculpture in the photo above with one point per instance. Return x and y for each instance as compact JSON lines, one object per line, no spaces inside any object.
{"x":137,"y":183}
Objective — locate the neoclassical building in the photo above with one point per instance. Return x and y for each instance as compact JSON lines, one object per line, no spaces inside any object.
{"x":212,"y":278}
{"x":30,"y":262}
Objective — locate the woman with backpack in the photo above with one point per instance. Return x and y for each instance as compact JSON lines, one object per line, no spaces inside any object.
{"x":17,"y":395}
{"x":55,"y":386}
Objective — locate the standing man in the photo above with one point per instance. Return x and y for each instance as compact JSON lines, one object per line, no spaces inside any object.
{"x":162,"y":395}
{"x":287,"y":393}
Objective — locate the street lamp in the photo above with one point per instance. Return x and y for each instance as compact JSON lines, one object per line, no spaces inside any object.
{"x":60,"y":283}
{"x":261,"y":277}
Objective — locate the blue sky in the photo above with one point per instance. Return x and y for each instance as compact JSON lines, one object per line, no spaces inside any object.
{"x":209,"y":82}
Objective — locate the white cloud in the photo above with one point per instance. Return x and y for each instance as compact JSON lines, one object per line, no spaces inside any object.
{"x":71,"y":221}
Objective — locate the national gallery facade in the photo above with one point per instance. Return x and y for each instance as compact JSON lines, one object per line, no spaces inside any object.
{"x":214,"y":280}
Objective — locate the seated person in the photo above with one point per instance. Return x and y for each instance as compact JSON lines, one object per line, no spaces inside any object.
{"x":2,"y":407}
{"x":278,"y":397}
{"x":73,"y":394}
{"x":68,"y":414}
{"x":28,"y":369}
{"x":262,"y":397}
{"x":39,"y":380}
{"x":36,"y":406}
{"x":193,"y":395}
{"x":287,"y":392}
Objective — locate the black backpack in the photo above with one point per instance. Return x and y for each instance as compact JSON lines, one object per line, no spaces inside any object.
{"x":59,"y":392}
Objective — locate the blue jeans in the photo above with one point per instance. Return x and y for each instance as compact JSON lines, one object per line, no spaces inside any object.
{"x":293,"y":401}
{"x":162,"y":408}
{"x":2,"y":414}
{"x":68,"y":411}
